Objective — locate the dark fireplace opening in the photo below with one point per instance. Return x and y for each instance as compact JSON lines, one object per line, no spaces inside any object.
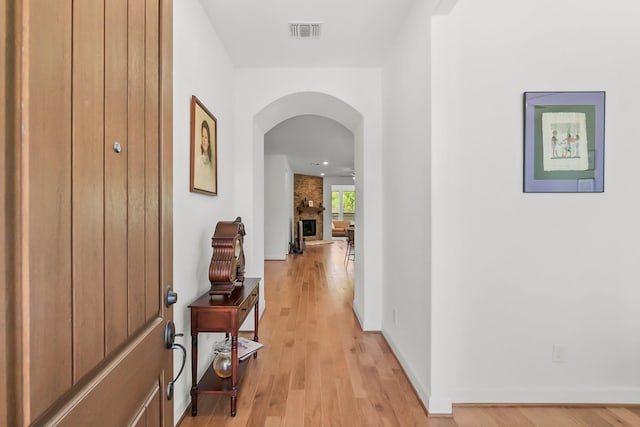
{"x":308,"y":227}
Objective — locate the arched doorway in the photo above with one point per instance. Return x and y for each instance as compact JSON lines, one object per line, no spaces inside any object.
{"x":366,"y":300}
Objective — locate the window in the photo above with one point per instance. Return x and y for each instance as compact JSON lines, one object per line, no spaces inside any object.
{"x":349,"y":202}
{"x":343,"y":205}
{"x":335,"y":202}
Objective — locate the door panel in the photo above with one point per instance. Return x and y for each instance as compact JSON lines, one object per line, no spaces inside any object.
{"x":136,"y":165}
{"x":152,"y":158}
{"x":46,"y":189}
{"x":94,"y":246}
{"x":88,"y":187}
{"x":119,"y":395}
{"x":5,"y":217}
{"x":116,"y":292}
{"x":149,"y":415}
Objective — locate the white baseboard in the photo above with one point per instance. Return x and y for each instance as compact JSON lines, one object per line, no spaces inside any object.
{"x":439,"y":406}
{"x":358,"y":316}
{"x":549,"y":395}
{"x":420,"y":390}
{"x":535,"y":396}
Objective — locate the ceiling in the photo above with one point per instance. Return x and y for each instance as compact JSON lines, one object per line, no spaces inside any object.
{"x":308,"y":141}
{"x":354,"y":33}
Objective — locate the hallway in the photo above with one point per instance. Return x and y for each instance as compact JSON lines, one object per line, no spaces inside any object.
{"x":317,"y":367}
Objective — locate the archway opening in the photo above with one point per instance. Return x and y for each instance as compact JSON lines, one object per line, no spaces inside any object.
{"x":324,"y":105}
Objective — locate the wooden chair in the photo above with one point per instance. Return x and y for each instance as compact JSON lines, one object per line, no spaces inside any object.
{"x":351,"y":246}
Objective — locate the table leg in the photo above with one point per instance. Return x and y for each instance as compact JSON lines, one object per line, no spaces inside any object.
{"x":234,"y":370}
{"x":256,"y":316}
{"x":194,"y":375}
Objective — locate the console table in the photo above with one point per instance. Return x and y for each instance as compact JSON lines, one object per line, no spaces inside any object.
{"x":222,"y":313}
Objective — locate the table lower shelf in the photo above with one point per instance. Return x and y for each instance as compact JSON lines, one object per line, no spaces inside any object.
{"x":213,"y":384}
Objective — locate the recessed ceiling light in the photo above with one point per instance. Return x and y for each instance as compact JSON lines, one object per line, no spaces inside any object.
{"x":322,"y":174}
{"x":325,"y":163}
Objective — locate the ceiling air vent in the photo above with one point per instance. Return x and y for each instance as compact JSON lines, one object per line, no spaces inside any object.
{"x":304,"y":30}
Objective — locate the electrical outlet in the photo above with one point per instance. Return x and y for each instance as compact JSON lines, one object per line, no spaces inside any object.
{"x":558,"y":353}
{"x":395,"y":316}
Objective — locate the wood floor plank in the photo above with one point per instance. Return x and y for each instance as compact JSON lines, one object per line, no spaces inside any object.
{"x":590,"y":417}
{"x":441,"y":422}
{"x":510,"y":416}
{"x":294,"y":414}
{"x":313,"y":376}
{"x":611,"y":418}
{"x":549,"y":416}
{"x":474,"y":417}
{"x":260,"y":406}
{"x":379,"y":397}
{"x":367,"y":414}
{"x":359,"y":390}
{"x":279,"y":393}
{"x":628,"y":416}
{"x":273,"y":422}
{"x":330,"y":407}
{"x":346,"y":400}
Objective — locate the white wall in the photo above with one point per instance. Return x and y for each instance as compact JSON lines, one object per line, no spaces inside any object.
{"x":205,"y":70}
{"x":406,"y":171}
{"x":515,"y":273}
{"x":278,"y":209}
{"x":256,"y":89}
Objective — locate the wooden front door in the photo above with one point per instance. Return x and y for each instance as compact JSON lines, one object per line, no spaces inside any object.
{"x":87,"y":226}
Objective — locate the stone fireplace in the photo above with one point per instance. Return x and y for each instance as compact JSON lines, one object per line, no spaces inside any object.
{"x":308,"y":208}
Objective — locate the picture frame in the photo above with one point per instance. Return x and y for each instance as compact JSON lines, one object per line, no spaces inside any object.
{"x":204,"y":149}
{"x":564,"y":142}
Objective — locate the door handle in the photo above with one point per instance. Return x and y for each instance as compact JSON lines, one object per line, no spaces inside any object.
{"x":169,"y":338}
{"x":170,"y":334}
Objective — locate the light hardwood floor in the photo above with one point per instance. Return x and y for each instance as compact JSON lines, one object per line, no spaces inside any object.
{"x":319,"y":369}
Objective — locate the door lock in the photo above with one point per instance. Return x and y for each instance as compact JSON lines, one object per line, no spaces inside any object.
{"x":170,"y":297}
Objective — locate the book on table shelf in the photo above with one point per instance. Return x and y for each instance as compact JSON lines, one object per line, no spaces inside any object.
{"x":246,"y":347}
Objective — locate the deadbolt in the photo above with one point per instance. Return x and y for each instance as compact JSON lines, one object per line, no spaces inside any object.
{"x":170,"y":297}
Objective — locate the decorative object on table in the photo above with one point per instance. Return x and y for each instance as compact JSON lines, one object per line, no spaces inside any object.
{"x":247,"y":347}
{"x":227,"y":261}
{"x":222,"y":363}
{"x":204,"y":150}
{"x":564,"y":142}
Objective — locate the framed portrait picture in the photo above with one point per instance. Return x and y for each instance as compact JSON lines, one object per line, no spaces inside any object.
{"x":564,"y":142}
{"x":204,"y":149}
